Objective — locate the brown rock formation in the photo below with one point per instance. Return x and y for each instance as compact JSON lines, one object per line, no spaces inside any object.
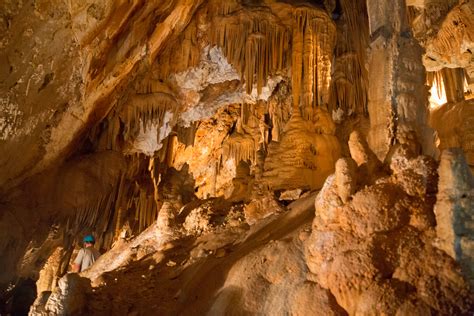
{"x":191,"y":138}
{"x":454,"y":124}
{"x":374,"y":251}
{"x":454,"y":209}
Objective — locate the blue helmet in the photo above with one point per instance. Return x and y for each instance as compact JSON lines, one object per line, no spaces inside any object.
{"x":89,"y":239}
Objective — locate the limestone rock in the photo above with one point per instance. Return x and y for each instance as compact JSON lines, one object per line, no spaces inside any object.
{"x":290,"y":195}
{"x":315,"y":150}
{"x":69,"y":298}
{"x":454,"y":210}
{"x":363,"y":155}
{"x":182,"y":134}
{"x":261,"y":207}
{"x":345,"y":178}
{"x":455,"y":129}
{"x":451,"y":44}
{"x":370,"y":250}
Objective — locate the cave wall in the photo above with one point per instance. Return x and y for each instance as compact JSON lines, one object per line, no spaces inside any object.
{"x":129,"y":93}
{"x":48,"y":106}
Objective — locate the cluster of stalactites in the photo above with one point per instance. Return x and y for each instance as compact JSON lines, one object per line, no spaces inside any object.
{"x":145,"y":111}
{"x":145,"y":209}
{"x":349,"y":83}
{"x":251,"y":134}
{"x":96,"y":215}
{"x":141,"y":110}
{"x":255,"y":43}
{"x":132,"y":202}
{"x":431,"y":13}
{"x":241,"y":145}
{"x":137,"y":201}
{"x":449,"y":82}
{"x":181,"y":54}
{"x":313,"y":41}
{"x":258,"y":45}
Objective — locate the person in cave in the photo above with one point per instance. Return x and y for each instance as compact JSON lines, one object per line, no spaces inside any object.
{"x":86,"y":256}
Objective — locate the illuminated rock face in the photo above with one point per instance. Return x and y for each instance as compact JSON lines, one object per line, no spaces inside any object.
{"x":305,"y":155}
{"x":51,"y":108}
{"x":398,"y":101}
{"x":370,"y":247}
{"x":454,"y":123}
{"x":192,"y":137}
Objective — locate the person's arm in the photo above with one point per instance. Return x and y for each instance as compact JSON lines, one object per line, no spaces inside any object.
{"x":76,"y":266}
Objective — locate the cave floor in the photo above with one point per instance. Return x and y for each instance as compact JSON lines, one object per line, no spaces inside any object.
{"x":180,"y":284}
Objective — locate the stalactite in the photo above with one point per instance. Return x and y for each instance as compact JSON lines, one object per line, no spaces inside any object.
{"x":349,"y":86}
{"x":145,"y":209}
{"x":297,"y":60}
{"x":256,"y":45}
{"x":240,"y":146}
{"x":224,"y":7}
{"x":453,"y":79}
{"x":143,"y":109}
{"x":279,"y":110}
{"x":132,"y":202}
{"x":146,"y":109}
{"x":155,"y":176}
{"x":350,"y":78}
{"x":312,"y":46}
{"x":435,"y":78}
{"x":186,"y":47}
{"x":118,"y":206}
{"x":448,"y":81}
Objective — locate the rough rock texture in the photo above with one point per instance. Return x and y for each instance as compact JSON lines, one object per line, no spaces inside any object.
{"x":375,"y":251}
{"x":80,"y":91}
{"x":189,"y":138}
{"x":41,"y":67}
{"x":223,"y":271}
{"x":445,"y":29}
{"x":454,"y":210}
{"x":86,"y":78}
{"x":305,"y":155}
{"x":450,"y":42}
{"x":69,"y":297}
{"x":454,"y":124}
{"x":72,"y":196}
{"x":397,"y":101}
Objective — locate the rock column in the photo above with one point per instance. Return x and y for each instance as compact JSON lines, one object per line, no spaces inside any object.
{"x":454,"y":210}
{"x":397,"y":94}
